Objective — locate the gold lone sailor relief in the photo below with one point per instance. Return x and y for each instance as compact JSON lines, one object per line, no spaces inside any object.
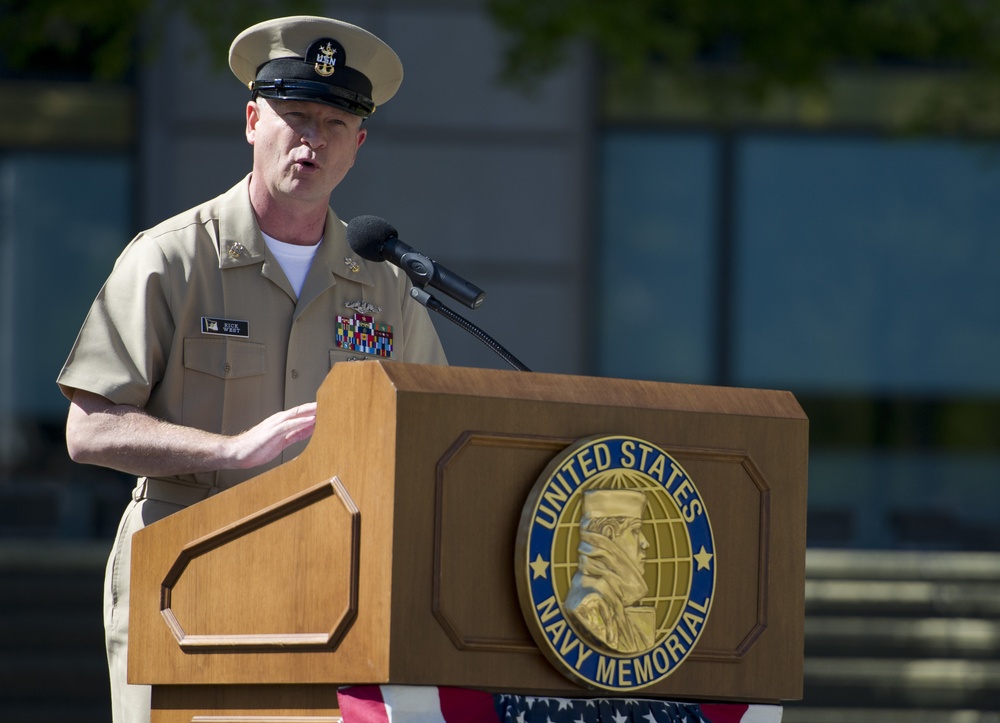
{"x":604,"y":596}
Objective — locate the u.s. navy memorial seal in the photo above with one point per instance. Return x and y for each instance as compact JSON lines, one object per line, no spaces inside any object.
{"x":615,"y":563}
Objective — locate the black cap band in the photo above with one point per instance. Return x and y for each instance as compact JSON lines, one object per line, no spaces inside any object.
{"x":297,"y":79}
{"x":310,"y":90}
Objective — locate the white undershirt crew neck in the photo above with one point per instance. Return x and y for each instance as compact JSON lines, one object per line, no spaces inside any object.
{"x":295,"y":260}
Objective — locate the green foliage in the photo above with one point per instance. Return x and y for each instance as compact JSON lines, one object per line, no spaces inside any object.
{"x":101,"y":39}
{"x":789,"y":42}
{"x":221,"y":20}
{"x":755,"y":48}
{"x":69,"y":37}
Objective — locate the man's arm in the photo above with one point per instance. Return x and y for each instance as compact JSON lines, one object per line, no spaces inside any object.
{"x":125,"y":438}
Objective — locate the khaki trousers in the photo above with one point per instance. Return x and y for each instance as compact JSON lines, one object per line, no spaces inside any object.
{"x":152,"y":500}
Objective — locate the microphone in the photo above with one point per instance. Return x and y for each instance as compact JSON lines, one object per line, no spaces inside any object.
{"x":374,"y":239}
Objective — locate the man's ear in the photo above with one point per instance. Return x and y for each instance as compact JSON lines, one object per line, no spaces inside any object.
{"x":253,"y":116}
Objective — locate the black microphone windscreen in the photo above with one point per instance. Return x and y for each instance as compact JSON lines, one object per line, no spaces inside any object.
{"x":367,"y":234}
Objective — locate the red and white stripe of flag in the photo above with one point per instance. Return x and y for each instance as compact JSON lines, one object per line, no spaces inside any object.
{"x":430,"y":704}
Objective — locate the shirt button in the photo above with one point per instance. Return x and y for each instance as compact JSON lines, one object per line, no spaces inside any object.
{"x":227,"y":367}
{"x":295,"y":373}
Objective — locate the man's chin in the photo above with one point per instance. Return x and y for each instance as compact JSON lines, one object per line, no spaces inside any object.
{"x":306,"y":190}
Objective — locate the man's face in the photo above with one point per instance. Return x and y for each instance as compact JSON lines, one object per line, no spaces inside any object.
{"x":633,"y":542}
{"x":302,"y":150}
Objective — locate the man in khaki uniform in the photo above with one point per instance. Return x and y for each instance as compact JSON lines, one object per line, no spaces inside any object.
{"x":198,"y":364}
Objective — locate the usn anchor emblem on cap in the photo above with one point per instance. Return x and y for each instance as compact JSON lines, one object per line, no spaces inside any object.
{"x":324,"y":52}
{"x":615,"y":563}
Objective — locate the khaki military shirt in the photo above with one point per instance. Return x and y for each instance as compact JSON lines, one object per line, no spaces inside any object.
{"x":199,"y":326}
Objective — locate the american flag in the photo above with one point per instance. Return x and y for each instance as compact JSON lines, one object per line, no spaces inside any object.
{"x":420,"y":704}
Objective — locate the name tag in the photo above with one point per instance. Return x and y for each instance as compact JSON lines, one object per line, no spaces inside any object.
{"x":225,"y":327}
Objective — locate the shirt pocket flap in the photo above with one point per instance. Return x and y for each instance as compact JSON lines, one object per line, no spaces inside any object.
{"x":225,"y":358}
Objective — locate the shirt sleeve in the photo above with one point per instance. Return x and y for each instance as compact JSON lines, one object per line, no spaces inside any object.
{"x":122,"y":346}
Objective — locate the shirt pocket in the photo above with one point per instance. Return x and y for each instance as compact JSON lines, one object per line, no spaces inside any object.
{"x":223,"y":384}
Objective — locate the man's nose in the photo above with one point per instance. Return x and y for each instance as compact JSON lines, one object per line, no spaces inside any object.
{"x":313,"y":136}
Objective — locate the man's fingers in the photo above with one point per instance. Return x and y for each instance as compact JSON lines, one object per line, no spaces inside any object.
{"x":303,"y":431}
{"x":303,"y":410}
{"x":298,"y":426}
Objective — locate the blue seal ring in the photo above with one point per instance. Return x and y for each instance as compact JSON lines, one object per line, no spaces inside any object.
{"x":549,"y":517}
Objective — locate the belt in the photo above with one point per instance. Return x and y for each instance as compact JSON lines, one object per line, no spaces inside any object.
{"x":174,"y":493}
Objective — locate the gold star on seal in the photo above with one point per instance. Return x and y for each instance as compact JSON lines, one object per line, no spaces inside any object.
{"x":704,"y":559}
{"x":539,"y":568}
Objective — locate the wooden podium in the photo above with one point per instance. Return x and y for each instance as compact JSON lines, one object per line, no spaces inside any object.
{"x":385,"y":552}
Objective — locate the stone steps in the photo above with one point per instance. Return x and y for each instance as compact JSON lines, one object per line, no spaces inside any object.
{"x":52,"y":662}
{"x":901,"y":636}
{"x":886,"y":715}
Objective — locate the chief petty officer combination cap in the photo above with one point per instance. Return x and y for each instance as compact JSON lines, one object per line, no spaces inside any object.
{"x":319,"y":60}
